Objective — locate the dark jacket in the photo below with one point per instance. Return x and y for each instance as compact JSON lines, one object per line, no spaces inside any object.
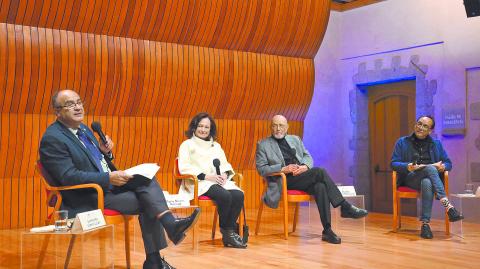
{"x":68,"y":162}
{"x":403,"y":154}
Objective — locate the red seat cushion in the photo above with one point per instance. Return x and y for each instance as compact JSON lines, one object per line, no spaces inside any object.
{"x":405,"y":189}
{"x":296,"y":192}
{"x":204,"y":197}
{"x":111,"y":212}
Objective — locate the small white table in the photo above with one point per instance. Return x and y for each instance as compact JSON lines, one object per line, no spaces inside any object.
{"x":355,"y":226}
{"x":90,"y":249}
{"x":469,"y":206}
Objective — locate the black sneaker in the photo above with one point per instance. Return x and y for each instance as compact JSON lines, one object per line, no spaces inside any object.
{"x":426,"y":232}
{"x":454,"y":215}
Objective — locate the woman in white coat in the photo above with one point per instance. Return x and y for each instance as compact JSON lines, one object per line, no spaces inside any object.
{"x":200,"y":155}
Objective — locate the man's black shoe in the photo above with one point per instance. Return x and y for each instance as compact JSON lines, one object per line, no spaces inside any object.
{"x":149,"y":264}
{"x":454,"y":215}
{"x":330,"y":237}
{"x":182,"y":226}
{"x":166,"y":265}
{"x":426,"y":232}
{"x":353,"y":212}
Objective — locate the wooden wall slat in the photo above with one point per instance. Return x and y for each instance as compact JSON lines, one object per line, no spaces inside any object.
{"x":257,"y":25}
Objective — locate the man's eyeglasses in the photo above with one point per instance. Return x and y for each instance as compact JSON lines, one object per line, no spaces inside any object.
{"x":71,"y":104}
{"x":279,"y":126}
{"x":422,"y":125}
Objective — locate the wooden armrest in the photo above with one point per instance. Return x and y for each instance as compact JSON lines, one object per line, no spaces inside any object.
{"x":284,"y":181}
{"x":394,"y":180}
{"x":186,"y":176}
{"x":100,"y":199}
{"x":275,"y":174}
{"x":195,"y":184}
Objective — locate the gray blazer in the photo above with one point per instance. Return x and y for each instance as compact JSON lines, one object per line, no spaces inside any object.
{"x":269,"y":159}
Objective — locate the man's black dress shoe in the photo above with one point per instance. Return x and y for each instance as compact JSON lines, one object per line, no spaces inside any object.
{"x":182,"y":226}
{"x":426,"y":232}
{"x":454,"y":215}
{"x":353,"y":212}
{"x":330,"y":237}
{"x":166,"y":265}
{"x":157,"y":263}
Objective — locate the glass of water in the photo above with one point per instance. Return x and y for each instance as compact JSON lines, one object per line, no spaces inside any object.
{"x":61,"y":218}
{"x":469,"y":188}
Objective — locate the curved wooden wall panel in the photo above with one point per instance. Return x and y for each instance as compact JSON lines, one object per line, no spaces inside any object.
{"x":144,"y":68}
{"x":144,"y":78}
{"x":290,"y":28}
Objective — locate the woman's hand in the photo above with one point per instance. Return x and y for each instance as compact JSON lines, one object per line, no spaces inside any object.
{"x":216,"y":179}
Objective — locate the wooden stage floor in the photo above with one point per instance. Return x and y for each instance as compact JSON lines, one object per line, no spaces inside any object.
{"x":372,"y":245}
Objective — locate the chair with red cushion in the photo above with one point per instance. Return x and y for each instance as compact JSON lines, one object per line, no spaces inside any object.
{"x":408,"y":193}
{"x":54,"y":200}
{"x":288,"y":196}
{"x":205,"y":201}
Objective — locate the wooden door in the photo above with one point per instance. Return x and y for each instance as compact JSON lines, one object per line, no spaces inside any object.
{"x":391,"y":115}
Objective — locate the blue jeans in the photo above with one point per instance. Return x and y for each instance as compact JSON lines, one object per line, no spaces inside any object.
{"x":427,"y":181}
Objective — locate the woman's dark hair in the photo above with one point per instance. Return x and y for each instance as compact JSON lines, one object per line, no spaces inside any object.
{"x":430,"y":117}
{"x":196,"y":120}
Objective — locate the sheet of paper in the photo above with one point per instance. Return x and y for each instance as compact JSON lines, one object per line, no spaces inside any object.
{"x":147,"y":170}
{"x":43,"y":229}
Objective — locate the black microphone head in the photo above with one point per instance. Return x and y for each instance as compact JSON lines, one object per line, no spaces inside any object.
{"x":96,"y":126}
{"x":216,"y":162}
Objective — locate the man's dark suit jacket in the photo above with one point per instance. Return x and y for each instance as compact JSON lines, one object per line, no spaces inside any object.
{"x":69,"y":163}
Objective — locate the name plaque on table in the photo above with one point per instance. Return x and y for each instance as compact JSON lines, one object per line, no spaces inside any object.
{"x":88,"y":220}
{"x":176,"y":200}
{"x":347,"y":190}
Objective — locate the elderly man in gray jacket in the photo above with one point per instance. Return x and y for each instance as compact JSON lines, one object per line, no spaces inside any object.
{"x":287,"y":154}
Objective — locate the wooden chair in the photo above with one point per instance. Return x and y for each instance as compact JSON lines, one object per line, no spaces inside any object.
{"x":408,"y":193}
{"x":288,"y":196}
{"x":54,"y":200}
{"x":205,"y":201}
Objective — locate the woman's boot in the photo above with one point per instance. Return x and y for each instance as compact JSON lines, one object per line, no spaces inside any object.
{"x":231,"y":239}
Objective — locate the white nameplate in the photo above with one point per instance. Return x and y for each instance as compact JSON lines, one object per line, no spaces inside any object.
{"x":347,"y":190}
{"x":88,"y":220}
{"x":177,"y":200}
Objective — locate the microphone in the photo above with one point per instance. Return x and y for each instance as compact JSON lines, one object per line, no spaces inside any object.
{"x":97,"y":128}
{"x":216,"y":163}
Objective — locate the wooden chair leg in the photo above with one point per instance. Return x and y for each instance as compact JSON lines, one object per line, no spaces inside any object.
{"x":45,"y":242}
{"x":395,"y":215}
{"x":241,"y":222}
{"x":214,"y":226}
{"x":285,"y":219}
{"x":399,"y":213}
{"x":126,"y":223}
{"x":259,"y":216}
{"x":295,"y":216}
{"x":69,"y":251}
{"x":102,"y":242}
